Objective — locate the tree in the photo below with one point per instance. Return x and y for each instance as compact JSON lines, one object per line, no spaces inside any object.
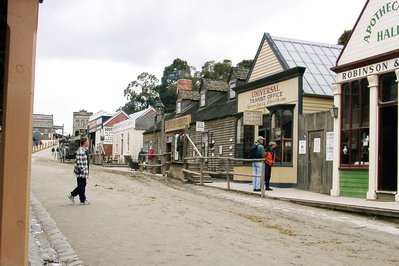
{"x":216,"y":71}
{"x":179,"y":69}
{"x":141,"y":93}
{"x":246,"y":63}
{"x":344,"y":37}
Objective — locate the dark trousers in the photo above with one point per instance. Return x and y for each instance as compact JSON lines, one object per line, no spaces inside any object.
{"x":268,"y":174}
{"x":80,"y":189}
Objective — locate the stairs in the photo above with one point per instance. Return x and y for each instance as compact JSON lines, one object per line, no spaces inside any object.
{"x":195,"y":167}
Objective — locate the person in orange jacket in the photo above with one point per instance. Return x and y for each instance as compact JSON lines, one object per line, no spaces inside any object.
{"x":270,"y":159}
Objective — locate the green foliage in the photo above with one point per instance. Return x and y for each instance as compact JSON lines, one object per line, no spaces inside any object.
{"x":141,"y":93}
{"x":216,"y":71}
{"x":246,"y":63}
{"x":344,"y":37}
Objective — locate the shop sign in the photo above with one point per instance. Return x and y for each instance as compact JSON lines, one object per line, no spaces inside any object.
{"x":329,"y":146}
{"x":361,"y":72}
{"x":377,"y":32}
{"x":108,"y":136}
{"x":253,"y":118}
{"x":177,"y":123}
{"x":200,"y":126}
{"x":273,"y":94}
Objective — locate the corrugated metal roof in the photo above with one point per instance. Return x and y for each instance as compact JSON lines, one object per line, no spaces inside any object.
{"x":318,"y":58}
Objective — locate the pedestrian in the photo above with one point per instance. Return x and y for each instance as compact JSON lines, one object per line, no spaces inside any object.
{"x":81,"y":170}
{"x":257,"y":151}
{"x":52,"y":151}
{"x":270,"y":159}
{"x":57,"y":151}
{"x":141,"y":157}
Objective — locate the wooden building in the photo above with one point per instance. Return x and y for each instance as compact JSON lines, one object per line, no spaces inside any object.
{"x":289,"y":78}
{"x":366,"y":93}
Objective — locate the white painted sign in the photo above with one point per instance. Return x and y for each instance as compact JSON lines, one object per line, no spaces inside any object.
{"x":302,"y":147}
{"x":329,"y":146}
{"x":253,"y":118}
{"x":376,"y":32}
{"x":380,"y":67}
{"x":108,"y":135}
{"x":316,"y":145}
{"x":200,"y":126}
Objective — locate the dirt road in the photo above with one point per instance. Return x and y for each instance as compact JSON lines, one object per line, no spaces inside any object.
{"x":139,"y":220}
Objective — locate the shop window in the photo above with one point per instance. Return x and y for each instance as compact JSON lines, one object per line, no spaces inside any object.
{"x":282,"y":128}
{"x":232,"y":93}
{"x":202,"y":99}
{"x":178,"y":107}
{"x":389,"y":88}
{"x":355,"y":124}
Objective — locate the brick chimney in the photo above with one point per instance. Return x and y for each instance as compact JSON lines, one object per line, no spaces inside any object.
{"x":184,"y":85}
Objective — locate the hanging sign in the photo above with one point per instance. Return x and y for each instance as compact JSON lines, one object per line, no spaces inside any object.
{"x":253,"y":118}
{"x":329,"y":146}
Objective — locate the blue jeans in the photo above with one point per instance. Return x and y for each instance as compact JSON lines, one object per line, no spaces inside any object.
{"x":256,"y":170}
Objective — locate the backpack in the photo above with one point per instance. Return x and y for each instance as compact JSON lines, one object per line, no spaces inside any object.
{"x":254,"y":151}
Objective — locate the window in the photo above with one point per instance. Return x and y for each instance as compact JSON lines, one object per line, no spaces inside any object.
{"x":178,"y":107}
{"x":232,"y":93}
{"x":202,"y":99}
{"x":355,"y":113}
{"x":282,"y":128}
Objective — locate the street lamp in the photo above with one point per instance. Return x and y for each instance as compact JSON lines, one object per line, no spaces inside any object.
{"x":159,"y":108}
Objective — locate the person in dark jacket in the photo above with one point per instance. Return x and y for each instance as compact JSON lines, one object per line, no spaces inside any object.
{"x":270,"y":159}
{"x":81,"y":171}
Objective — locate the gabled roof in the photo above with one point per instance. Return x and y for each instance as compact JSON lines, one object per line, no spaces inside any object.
{"x":214,"y":85}
{"x":141,"y":113}
{"x":188,"y":95}
{"x":116,"y":115}
{"x":99,"y":114}
{"x":240,"y":73}
{"x":316,"y":57}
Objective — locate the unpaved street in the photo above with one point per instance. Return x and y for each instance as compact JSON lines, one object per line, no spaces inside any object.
{"x":141,"y":220}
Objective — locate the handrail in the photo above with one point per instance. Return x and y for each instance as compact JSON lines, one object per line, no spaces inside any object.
{"x":195,"y":147}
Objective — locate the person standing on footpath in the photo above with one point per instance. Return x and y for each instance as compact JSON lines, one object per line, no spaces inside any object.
{"x":81,"y":170}
{"x":270,"y":159}
{"x":257,"y":151}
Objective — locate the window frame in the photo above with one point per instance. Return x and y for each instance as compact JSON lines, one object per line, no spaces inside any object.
{"x":178,"y":107}
{"x":354,"y":133}
{"x":202,"y":98}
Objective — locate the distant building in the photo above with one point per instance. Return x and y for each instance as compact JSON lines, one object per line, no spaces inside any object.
{"x":80,"y":122}
{"x":44,"y":124}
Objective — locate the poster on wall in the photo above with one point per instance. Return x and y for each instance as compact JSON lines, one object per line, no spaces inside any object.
{"x":329,"y":146}
{"x":316,"y":145}
{"x":302,"y":147}
{"x":253,"y":118}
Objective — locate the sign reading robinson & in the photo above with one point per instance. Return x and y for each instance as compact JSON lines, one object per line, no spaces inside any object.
{"x":177,"y":123}
{"x":253,"y":118}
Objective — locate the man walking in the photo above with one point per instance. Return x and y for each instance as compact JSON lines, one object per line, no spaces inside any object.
{"x":81,"y":170}
{"x":257,"y":151}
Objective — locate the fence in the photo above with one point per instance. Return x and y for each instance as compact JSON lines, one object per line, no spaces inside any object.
{"x":36,"y":148}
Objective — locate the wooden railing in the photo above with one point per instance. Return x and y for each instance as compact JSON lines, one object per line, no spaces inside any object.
{"x":36,"y":148}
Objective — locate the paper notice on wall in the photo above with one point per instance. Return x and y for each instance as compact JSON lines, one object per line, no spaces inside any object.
{"x":329,"y":146}
{"x":302,"y":147}
{"x":316,"y":145}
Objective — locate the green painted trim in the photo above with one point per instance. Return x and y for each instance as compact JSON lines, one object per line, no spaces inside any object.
{"x":354,"y":183}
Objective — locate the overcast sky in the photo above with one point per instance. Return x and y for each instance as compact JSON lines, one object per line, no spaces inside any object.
{"x":89,"y":50}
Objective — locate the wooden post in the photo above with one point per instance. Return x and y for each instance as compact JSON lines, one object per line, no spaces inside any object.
{"x":202,"y":161}
{"x":16,"y":143}
{"x":227,"y":174}
{"x":262,"y":181}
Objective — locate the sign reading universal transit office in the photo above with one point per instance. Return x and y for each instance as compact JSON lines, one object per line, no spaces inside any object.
{"x":273,"y":94}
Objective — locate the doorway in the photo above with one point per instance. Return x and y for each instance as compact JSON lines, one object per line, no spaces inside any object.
{"x":388,"y":149}
{"x":316,"y":151}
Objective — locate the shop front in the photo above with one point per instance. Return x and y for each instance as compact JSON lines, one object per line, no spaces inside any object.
{"x":366,"y":92}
